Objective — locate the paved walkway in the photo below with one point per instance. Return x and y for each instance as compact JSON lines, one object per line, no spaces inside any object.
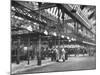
{"x":15,"y":68}
{"x":24,"y":66}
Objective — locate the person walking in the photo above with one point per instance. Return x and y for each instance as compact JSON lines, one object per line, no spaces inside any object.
{"x":52,"y":54}
{"x":57,"y":54}
{"x":63,"y":54}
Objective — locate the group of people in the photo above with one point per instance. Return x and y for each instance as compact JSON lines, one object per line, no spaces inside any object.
{"x":55,"y":53}
{"x":58,"y":54}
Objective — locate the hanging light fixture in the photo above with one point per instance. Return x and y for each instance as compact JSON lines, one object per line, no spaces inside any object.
{"x":68,"y":38}
{"x":73,"y":39}
{"x":62,"y":36}
{"x":45,"y":32}
{"x":55,"y":34}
